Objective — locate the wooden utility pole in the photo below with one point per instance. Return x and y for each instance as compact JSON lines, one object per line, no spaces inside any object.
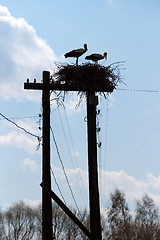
{"x":92,"y":102}
{"x":46,"y":176}
{"x":95,"y":220}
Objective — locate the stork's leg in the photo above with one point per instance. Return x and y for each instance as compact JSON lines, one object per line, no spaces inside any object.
{"x":77,"y":61}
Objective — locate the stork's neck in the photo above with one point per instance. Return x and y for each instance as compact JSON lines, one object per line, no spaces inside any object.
{"x":85,"y":47}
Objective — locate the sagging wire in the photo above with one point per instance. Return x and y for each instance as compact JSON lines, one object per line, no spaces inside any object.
{"x":69,"y":149}
{"x":63,"y":168}
{"x":23,"y":129}
{"x":73,"y":148}
{"x":22,"y":117}
{"x":57,"y":184}
{"x":60,"y":103}
{"x":105,"y":144}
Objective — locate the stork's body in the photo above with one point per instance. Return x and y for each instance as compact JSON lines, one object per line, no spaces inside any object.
{"x":95,"y":57}
{"x":76,"y":53}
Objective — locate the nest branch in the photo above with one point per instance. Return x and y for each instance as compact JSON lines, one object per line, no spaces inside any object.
{"x":88,"y":77}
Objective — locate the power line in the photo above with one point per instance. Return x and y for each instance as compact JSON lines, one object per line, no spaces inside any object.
{"x":21,"y":128}
{"x":137,"y":90}
{"x":106,"y":143}
{"x":73,"y":146}
{"x":69,"y":149}
{"x":21,"y":117}
{"x":57,"y":185}
{"x":64,"y":169}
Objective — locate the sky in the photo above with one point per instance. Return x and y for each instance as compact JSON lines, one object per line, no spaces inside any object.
{"x":34,"y":36}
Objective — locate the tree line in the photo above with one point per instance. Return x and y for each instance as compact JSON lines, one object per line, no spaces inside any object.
{"x":23,"y":222}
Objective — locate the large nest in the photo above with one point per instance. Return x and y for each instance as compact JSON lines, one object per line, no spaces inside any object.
{"x":87,"y":77}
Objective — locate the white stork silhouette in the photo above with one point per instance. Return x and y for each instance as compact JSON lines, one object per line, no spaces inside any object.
{"x":95,"y":57}
{"x":76,"y":53}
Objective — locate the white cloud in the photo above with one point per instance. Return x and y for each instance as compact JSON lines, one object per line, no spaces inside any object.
{"x":72,"y":103}
{"x":154,"y":182}
{"x":32,"y":203}
{"x":111,"y":100}
{"x":72,"y":175}
{"x":4,"y":11}
{"x":110,"y":180}
{"x":132,"y":187}
{"x":22,"y":55}
{"x":19,"y":140}
{"x":30,"y":126}
{"x":30,"y":164}
{"x":27,"y":124}
{"x":82,"y":176}
{"x":121,"y":180}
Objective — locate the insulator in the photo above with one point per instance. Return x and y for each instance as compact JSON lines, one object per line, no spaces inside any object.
{"x":34,"y":80}
{"x":99,"y":144}
{"x":98,"y":111}
{"x":98,"y":129}
{"x":85,"y":119}
{"x":27,"y":80}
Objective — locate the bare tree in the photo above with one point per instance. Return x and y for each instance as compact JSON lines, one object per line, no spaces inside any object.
{"x":1,"y":225}
{"x":19,"y":222}
{"x":59,"y":222}
{"x":22,"y":222}
{"x":147,"y":223}
{"x":38,"y":222}
{"x":85,"y":219}
{"x":119,"y":218}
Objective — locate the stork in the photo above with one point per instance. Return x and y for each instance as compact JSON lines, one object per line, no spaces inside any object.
{"x":76,"y":53}
{"x":95,"y":57}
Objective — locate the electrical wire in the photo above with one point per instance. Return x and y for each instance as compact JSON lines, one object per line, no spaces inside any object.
{"x":105,"y":144}
{"x":57,"y":184}
{"x":137,"y":90}
{"x":70,"y":135}
{"x":63,"y":168}
{"x":21,"y":128}
{"x":22,"y":117}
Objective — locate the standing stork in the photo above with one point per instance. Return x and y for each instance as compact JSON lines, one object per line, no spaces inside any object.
{"x":76,"y":53}
{"x":95,"y":57}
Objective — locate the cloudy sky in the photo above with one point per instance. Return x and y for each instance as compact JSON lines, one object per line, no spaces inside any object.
{"x":34,"y":35}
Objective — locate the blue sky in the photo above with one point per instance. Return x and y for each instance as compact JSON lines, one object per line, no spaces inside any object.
{"x":35,"y":34}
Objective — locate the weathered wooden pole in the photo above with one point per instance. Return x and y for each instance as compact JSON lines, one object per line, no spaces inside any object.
{"x":92,"y":102}
{"x":46,"y":176}
{"x":95,"y":220}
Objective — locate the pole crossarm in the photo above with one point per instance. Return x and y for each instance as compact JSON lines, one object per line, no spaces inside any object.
{"x":65,"y":87}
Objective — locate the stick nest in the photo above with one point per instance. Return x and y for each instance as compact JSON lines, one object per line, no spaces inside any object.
{"x":88,"y":77}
